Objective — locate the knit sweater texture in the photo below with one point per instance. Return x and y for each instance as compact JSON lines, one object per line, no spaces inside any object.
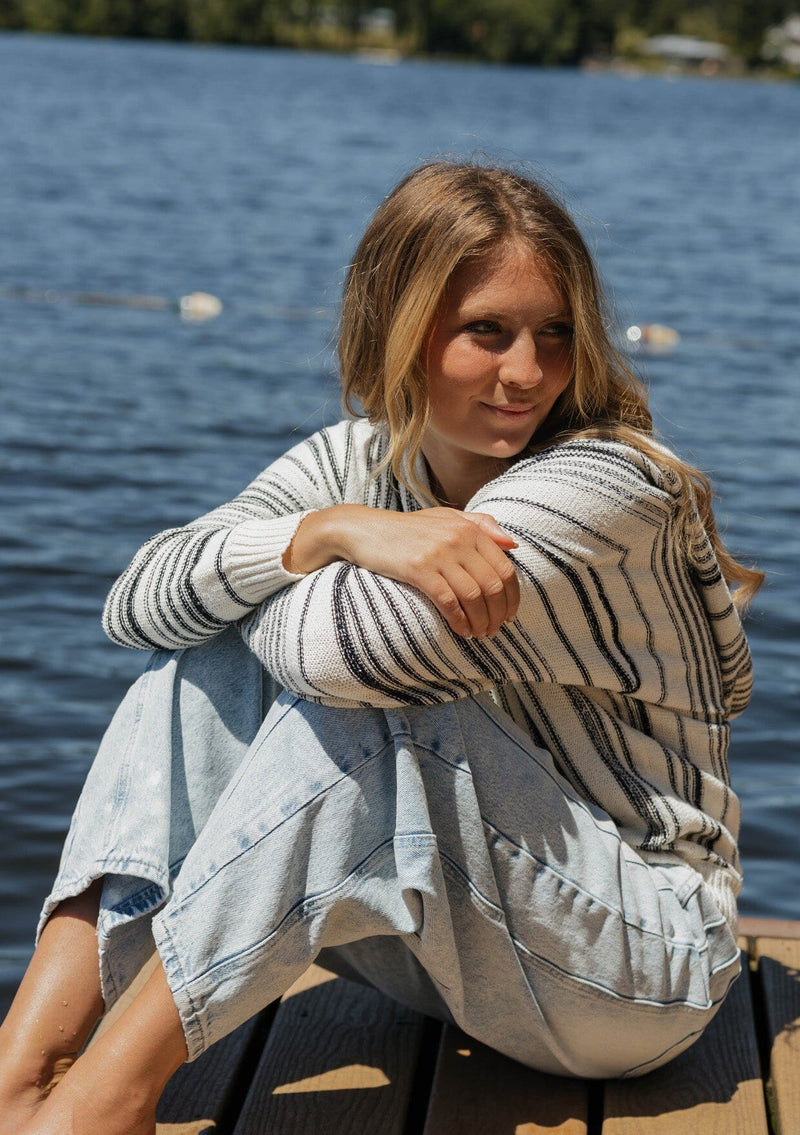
{"x":625,"y":661}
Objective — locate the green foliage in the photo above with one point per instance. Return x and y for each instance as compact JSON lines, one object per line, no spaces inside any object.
{"x":234,"y":21}
{"x":512,"y":31}
{"x":545,"y":32}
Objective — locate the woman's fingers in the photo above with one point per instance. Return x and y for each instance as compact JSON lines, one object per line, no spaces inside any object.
{"x":496,"y":581}
{"x":476,"y":594}
{"x":457,"y":559}
{"x":491,"y":528}
{"x":473,"y":602}
{"x":448,"y":604}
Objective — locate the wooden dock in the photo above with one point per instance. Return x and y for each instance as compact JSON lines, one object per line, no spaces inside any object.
{"x":334,"y":1058}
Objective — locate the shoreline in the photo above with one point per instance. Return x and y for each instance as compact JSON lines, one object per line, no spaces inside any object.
{"x":388,"y":52}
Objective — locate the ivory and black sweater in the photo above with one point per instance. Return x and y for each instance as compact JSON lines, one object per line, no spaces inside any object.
{"x":624,"y":662}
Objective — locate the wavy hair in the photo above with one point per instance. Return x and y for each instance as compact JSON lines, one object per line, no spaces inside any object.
{"x":439,"y":217}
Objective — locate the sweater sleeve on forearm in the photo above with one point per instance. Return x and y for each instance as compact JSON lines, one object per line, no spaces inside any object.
{"x":606,"y":600}
{"x":186,"y":584}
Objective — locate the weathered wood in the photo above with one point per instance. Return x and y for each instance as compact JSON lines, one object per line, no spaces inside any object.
{"x":768,"y":928}
{"x":714,"y":1088}
{"x":206,"y":1095}
{"x":779,"y":978}
{"x":478,"y":1092}
{"x":340,"y":1058}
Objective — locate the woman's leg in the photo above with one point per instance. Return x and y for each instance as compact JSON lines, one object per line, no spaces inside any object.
{"x":172,"y":746}
{"x":445,"y":828}
{"x":170,"y":750}
{"x":54,"y":1011}
{"x":113,"y":1088}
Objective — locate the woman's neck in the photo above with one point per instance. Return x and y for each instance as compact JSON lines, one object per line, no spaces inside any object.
{"x":454,"y":488}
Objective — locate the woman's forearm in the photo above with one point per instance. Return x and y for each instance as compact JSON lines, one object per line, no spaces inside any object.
{"x":458,"y":560}
{"x":186,"y":584}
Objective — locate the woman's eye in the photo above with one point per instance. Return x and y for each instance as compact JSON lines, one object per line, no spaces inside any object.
{"x":563,"y":331}
{"x":483,"y":327}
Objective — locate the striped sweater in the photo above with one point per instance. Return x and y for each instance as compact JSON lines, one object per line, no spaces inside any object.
{"x":624,"y":662}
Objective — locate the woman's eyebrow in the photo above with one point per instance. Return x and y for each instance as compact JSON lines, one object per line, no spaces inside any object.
{"x":475,"y":309}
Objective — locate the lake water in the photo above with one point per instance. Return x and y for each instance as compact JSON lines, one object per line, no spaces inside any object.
{"x":159,"y":169}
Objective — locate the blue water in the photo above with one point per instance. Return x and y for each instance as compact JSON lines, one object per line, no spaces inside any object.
{"x":162,"y":169}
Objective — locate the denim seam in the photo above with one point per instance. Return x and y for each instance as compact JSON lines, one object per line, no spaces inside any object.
{"x":306,"y":907}
{"x":544,"y":867}
{"x":284,"y":820}
{"x":725,"y":964}
{"x":460,"y":874}
{"x":581,"y":986}
{"x":191,"y":1015}
{"x":69,"y":887}
{"x":124,"y":763}
{"x":576,"y":981}
{"x":639,"y":1069}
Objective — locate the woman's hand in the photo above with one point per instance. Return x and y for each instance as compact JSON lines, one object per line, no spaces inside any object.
{"x":455,"y":558}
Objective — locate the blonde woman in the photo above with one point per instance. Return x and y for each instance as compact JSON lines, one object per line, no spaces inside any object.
{"x":495,"y":785}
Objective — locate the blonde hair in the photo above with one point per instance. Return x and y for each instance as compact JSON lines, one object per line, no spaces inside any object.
{"x":439,"y":217}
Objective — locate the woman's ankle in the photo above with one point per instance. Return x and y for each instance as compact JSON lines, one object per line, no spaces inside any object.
{"x":82,"y":1105}
{"x":21,"y":1096}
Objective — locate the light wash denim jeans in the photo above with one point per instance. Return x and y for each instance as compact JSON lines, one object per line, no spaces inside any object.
{"x":434,"y":853}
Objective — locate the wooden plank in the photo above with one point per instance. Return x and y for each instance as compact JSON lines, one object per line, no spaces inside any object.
{"x":206,"y":1095}
{"x":340,"y":1059}
{"x":779,"y":978}
{"x":714,"y":1088}
{"x":769,"y":928}
{"x":476,"y":1091}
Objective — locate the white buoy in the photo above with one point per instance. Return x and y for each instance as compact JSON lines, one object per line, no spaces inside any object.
{"x":199,"y":306}
{"x":655,"y":336}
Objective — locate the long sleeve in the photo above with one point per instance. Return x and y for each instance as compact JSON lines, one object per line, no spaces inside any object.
{"x":186,"y":584}
{"x":625,"y":661}
{"x":606,"y":602}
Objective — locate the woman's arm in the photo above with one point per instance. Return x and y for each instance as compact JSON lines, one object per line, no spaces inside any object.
{"x":454,"y":558}
{"x":186,"y":584}
{"x":604,"y":596}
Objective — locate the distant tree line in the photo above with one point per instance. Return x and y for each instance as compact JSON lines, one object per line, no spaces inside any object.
{"x":515,"y":31}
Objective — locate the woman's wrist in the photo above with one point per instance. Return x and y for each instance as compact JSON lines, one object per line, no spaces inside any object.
{"x":323,"y":537}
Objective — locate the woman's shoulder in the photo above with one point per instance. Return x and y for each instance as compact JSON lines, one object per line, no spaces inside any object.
{"x":343,"y":434}
{"x":350,"y":443}
{"x":599,"y":486}
{"x":585,"y":458}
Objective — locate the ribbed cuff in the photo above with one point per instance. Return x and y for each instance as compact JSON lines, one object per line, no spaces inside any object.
{"x":252,"y":556}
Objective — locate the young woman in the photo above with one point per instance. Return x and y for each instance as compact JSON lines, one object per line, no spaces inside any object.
{"x":496,"y":784}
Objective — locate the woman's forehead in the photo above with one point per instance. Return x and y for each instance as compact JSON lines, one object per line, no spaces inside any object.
{"x":503,"y":271}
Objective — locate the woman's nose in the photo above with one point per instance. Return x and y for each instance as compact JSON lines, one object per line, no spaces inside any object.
{"x":520,"y":365}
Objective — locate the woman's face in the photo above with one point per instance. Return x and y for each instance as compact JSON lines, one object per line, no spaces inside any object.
{"x":498,"y":356}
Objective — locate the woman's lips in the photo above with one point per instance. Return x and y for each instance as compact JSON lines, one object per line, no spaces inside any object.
{"x":511,"y":411}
